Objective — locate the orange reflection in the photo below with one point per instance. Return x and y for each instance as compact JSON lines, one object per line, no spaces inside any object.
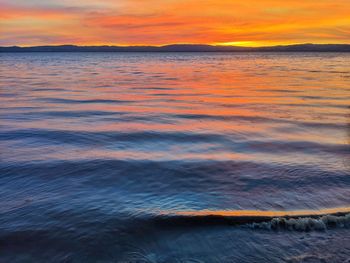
{"x":257,"y":213}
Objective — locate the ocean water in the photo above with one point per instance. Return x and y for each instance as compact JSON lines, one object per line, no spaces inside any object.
{"x":174,"y":157}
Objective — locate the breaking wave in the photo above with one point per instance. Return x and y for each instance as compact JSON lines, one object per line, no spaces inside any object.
{"x":306,"y":220}
{"x":305,"y":223}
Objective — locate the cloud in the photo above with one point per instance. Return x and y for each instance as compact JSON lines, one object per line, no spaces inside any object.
{"x":173,"y":21}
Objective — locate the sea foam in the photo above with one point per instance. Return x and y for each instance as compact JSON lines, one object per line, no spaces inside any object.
{"x":305,"y":223}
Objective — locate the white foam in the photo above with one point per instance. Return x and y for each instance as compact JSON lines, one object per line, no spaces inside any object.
{"x":305,"y":223}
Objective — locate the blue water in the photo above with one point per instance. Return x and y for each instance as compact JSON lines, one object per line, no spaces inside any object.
{"x":114,"y":157}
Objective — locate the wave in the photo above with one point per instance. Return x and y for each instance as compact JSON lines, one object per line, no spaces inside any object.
{"x":73,"y":101}
{"x":261,"y":119}
{"x":88,"y":138}
{"x":305,"y":223}
{"x":299,"y":220}
{"x":235,"y":141}
{"x":204,"y":174}
{"x":30,"y":115}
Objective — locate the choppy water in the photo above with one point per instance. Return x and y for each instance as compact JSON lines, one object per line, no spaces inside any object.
{"x":171,"y":157}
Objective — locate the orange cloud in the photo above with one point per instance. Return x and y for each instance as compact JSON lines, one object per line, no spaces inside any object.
{"x":156,"y":22}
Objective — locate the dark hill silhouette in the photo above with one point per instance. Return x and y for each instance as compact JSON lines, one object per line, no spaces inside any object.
{"x":183,"y":48}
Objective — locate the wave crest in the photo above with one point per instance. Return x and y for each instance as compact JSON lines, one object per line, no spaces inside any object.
{"x":304,"y":223}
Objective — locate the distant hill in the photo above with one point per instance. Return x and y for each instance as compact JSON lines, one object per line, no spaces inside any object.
{"x":183,"y":48}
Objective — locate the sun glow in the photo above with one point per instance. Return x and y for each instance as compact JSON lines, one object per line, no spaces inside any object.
{"x":240,"y":44}
{"x":133,"y":22}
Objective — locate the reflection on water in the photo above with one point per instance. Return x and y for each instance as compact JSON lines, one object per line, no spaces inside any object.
{"x":264,"y":213}
{"x":94,"y":147}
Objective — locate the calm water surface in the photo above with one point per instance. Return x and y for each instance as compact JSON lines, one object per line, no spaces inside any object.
{"x":120,"y":157}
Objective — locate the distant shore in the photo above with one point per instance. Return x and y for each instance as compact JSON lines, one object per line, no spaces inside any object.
{"x":181,"y":48}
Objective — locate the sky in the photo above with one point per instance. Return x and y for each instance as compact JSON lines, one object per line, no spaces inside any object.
{"x":162,"y":22}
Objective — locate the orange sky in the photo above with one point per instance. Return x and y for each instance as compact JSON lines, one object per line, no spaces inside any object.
{"x":160,"y":22}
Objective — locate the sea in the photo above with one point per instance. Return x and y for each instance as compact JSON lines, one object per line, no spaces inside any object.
{"x":174,"y":157}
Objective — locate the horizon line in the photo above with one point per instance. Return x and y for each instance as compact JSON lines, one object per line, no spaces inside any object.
{"x":175,"y":44}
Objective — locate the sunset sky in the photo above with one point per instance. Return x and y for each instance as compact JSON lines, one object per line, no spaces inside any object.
{"x":161,"y":22}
